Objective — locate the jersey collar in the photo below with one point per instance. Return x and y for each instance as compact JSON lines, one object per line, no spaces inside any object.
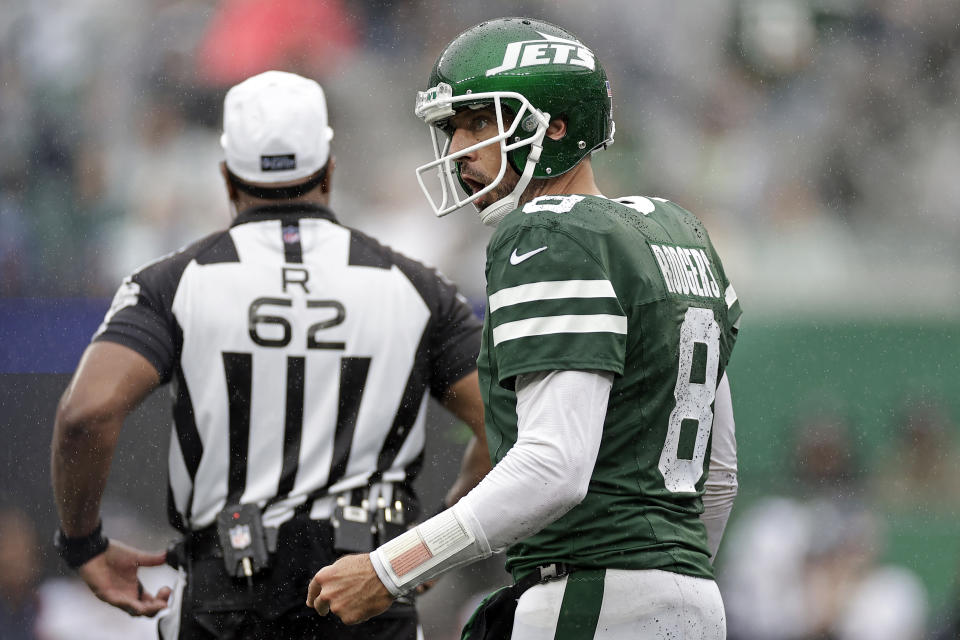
{"x":286,"y":212}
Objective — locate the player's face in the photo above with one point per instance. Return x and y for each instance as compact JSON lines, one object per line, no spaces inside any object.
{"x":480,"y":167}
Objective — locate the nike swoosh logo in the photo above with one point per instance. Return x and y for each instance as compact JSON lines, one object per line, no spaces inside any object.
{"x":516,"y":259}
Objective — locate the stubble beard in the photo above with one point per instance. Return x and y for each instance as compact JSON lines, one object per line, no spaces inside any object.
{"x":506,"y":187}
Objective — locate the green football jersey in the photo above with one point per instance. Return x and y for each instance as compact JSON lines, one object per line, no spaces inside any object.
{"x":631,"y":286}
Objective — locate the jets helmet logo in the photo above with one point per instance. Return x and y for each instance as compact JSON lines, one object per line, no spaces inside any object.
{"x":550,"y":50}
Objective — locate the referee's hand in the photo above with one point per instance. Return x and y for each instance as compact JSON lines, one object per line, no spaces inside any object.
{"x":112,"y":576}
{"x":350,"y":588}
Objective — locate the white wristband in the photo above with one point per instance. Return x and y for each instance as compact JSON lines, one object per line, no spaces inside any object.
{"x":425,"y":551}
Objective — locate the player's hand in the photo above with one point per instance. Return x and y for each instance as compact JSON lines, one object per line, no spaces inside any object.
{"x":112,"y":576}
{"x":350,"y":588}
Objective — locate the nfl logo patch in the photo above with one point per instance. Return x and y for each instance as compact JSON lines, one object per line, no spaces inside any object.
{"x":291,"y":235}
{"x":240,"y":536}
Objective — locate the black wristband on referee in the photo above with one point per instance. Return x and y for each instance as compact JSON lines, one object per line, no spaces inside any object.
{"x":76,"y":552}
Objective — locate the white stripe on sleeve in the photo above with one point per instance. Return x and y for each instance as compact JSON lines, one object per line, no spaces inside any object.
{"x":546,"y":325}
{"x":551,"y":291}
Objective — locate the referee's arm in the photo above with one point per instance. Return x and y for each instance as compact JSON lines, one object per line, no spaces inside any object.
{"x":109,"y":383}
{"x":463,"y":399}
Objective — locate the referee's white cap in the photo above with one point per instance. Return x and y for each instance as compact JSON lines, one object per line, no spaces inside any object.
{"x":275,"y":128}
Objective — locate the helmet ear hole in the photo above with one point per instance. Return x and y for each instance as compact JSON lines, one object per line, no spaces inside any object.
{"x":558,"y":128}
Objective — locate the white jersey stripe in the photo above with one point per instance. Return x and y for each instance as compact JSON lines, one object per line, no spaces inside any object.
{"x":599,"y":323}
{"x":551,"y":291}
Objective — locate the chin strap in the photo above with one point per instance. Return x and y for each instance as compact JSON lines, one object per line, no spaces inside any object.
{"x":492,"y":214}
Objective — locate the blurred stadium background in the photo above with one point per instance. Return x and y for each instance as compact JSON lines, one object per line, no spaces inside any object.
{"x":818,"y":139}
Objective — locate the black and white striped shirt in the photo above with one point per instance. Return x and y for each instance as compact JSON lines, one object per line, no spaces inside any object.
{"x":301,"y":353}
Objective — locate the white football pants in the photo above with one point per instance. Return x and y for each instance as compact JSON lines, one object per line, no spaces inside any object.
{"x":616,"y":604}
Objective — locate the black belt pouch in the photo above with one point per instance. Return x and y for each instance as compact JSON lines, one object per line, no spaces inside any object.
{"x":493,"y":619}
{"x":303,"y":546}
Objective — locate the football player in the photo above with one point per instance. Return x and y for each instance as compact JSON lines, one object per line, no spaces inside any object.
{"x":609,"y":325}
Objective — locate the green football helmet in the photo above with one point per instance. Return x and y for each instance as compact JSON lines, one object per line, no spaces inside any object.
{"x":531,"y":72}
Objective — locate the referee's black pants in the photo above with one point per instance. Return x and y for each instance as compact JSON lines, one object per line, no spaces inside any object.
{"x":216,"y":606}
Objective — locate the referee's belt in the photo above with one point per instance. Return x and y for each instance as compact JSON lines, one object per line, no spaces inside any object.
{"x":205,"y":543}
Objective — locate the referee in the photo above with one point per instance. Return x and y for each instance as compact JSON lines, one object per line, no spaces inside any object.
{"x":300,"y":353}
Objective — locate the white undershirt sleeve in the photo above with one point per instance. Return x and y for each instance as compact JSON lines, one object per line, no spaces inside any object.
{"x":720,"y":488}
{"x":545,"y":474}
